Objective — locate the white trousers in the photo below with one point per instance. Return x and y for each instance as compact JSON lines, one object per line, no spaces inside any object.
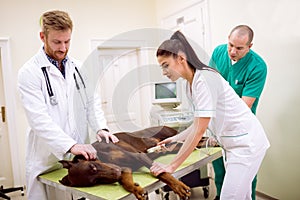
{"x":238,"y":178}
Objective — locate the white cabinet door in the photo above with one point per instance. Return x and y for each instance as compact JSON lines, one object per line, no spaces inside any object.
{"x":121,"y":105}
{"x":6,"y":176}
{"x":193,"y":22}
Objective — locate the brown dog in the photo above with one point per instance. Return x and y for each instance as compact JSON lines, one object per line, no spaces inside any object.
{"x":118,"y":160}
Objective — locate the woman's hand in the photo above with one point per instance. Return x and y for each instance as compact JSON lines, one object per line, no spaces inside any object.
{"x":107,"y":135}
{"x":158,"y":168}
{"x":166,"y":141}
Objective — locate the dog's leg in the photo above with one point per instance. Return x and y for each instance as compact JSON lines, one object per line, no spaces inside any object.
{"x":126,"y":181}
{"x":177,"y":186}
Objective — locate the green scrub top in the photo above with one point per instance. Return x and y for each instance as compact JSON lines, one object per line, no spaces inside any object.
{"x":247,"y":76}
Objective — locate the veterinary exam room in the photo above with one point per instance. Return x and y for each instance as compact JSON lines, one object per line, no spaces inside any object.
{"x":149,"y":99}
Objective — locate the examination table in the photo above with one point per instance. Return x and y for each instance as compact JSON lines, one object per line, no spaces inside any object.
{"x":115,"y":191}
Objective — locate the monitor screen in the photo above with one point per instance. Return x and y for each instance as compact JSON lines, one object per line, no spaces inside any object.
{"x":166,"y":92}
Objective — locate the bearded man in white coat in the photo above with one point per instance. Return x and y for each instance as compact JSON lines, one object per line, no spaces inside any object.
{"x":53,"y":108}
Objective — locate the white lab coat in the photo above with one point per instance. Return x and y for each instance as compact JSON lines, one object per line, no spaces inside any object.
{"x":232,"y":123}
{"x":54,"y":129}
{"x":234,"y":126}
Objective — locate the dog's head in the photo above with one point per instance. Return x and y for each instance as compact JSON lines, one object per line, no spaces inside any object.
{"x":83,"y":173}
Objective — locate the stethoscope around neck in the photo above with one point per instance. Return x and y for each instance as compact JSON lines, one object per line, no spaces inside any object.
{"x":53,"y":99}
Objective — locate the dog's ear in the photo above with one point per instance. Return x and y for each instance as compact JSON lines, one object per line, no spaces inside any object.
{"x":66,"y":164}
{"x":65,"y":181}
{"x":78,"y":157}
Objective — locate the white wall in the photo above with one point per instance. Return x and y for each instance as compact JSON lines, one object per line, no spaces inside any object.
{"x":101,"y":19}
{"x":276,"y":24}
{"x":277,"y":39}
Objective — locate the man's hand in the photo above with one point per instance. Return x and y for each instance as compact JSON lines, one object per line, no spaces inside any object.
{"x":107,"y":135}
{"x":87,"y":150}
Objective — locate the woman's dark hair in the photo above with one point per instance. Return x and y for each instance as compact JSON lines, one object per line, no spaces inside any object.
{"x":177,"y":43}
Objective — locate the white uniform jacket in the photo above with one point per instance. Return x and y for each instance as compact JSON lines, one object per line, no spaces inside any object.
{"x":232,"y":123}
{"x":54,"y":129}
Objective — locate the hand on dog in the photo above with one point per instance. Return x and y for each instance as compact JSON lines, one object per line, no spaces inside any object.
{"x":107,"y":135}
{"x":87,"y":150}
{"x":166,"y":141}
{"x":158,"y":168}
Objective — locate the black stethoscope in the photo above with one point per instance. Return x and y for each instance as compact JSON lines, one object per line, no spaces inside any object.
{"x":53,"y":100}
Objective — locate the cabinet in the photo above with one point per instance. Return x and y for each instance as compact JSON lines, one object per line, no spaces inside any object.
{"x":116,"y":66}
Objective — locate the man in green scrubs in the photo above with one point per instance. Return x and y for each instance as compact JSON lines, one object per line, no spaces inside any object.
{"x":246,"y":72}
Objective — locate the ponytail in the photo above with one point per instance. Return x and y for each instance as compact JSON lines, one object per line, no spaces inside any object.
{"x":177,"y":43}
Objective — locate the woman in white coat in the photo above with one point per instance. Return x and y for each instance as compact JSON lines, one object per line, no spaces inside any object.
{"x":218,"y":108}
{"x":57,"y":114}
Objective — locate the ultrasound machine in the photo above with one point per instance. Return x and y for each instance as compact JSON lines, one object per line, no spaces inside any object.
{"x":166,"y":106}
{"x":168,"y":109}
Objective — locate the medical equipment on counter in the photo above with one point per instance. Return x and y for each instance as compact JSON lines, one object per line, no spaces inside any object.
{"x":166,"y":103}
{"x":174,"y":118}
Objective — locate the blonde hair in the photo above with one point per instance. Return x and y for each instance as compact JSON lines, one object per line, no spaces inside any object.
{"x":55,"y":20}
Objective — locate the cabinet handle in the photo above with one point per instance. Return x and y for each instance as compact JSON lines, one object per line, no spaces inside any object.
{"x":3,"y":113}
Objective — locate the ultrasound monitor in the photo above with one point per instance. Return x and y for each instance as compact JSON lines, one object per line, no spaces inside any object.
{"x":166,"y":93}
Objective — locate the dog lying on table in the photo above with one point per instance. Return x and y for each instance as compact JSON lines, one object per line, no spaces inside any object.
{"x":117,"y":161}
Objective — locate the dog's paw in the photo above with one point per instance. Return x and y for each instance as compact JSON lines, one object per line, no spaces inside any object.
{"x":139,"y":192}
{"x":182,"y":190}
